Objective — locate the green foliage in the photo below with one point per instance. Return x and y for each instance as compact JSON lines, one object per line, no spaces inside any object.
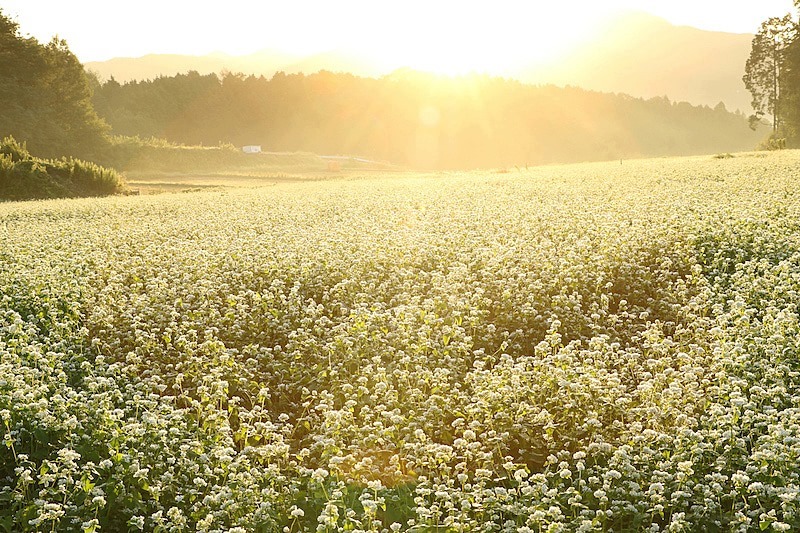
{"x":772,"y":143}
{"x":764,"y":70}
{"x":46,"y":100}
{"x":775,"y":66}
{"x":790,"y":84}
{"x":24,"y":177}
{"x":15,"y":150}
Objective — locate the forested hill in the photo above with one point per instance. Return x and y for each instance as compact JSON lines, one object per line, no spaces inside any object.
{"x":418,"y":120}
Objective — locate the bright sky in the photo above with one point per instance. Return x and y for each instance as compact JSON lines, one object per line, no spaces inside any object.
{"x":426,"y":34}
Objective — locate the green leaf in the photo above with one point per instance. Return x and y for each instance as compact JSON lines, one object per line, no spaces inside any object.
{"x":86,"y":484}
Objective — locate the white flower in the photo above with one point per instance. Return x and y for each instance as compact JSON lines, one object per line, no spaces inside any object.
{"x":319,"y":475}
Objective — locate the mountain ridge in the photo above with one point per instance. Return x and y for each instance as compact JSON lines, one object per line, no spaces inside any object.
{"x":637,"y":54}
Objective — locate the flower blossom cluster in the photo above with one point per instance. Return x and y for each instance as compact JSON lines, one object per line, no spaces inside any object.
{"x":596,"y":347}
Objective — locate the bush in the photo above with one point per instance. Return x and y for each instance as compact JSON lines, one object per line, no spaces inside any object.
{"x":15,"y":150}
{"x":24,"y":177}
{"x":773,"y":143}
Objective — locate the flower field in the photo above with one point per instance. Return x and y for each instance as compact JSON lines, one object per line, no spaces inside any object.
{"x":597,"y":347}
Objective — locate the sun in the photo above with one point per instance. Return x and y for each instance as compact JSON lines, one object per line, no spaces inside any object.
{"x":457,"y":39}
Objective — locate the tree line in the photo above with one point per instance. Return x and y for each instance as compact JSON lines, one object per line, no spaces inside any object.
{"x":416,"y":119}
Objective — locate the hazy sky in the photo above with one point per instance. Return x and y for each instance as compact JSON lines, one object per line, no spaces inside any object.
{"x":429,"y":31}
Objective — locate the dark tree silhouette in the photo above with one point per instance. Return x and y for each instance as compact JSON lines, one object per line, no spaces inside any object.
{"x":45,"y":99}
{"x":764,"y":68}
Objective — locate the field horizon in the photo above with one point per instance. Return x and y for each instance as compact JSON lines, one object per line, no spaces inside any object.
{"x":316,"y":169}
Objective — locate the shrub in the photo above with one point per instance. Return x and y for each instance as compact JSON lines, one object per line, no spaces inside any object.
{"x":15,"y":150}
{"x":773,"y":143}
{"x":24,"y":177}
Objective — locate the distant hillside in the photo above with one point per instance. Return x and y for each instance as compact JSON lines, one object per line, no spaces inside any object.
{"x":262,"y":63}
{"x":637,"y":54}
{"x":643,"y":55}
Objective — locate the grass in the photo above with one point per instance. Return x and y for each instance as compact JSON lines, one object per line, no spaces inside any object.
{"x":155,"y":160}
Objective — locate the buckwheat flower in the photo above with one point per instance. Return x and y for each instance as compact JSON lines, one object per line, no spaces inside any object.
{"x":370,"y":506}
{"x":296,"y":512}
{"x":740,"y":478}
{"x":204,"y":524}
{"x":137,"y":522}
{"x":91,"y":525}
{"x":319,"y":475}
